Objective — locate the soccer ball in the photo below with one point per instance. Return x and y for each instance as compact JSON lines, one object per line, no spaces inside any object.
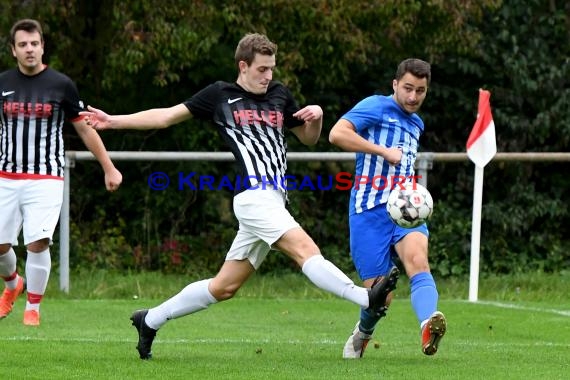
{"x":409,"y":205}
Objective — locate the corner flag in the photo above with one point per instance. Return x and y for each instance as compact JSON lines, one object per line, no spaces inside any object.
{"x":481,"y":148}
{"x":482,"y":145}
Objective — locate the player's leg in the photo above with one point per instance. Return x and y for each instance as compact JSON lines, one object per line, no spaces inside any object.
{"x":38,"y":268}
{"x":193,"y":298}
{"x":41,"y":205}
{"x":412,"y":249}
{"x":13,"y":283}
{"x":199,"y":295}
{"x":10,"y":225}
{"x":262,"y":212}
{"x":244,"y":257}
{"x":298,"y":245}
{"x":370,"y":233}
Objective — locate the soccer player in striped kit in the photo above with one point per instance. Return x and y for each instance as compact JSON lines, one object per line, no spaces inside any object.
{"x":35,"y":101}
{"x":252,"y":115}
{"x":384,"y":132}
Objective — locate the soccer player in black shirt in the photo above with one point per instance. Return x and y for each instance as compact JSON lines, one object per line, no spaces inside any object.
{"x":252,"y":116}
{"x":34,"y":103}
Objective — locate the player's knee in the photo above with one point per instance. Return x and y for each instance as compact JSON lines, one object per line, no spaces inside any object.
{"x":224,"y":292}
{"x":298,"y":245}
{"x":4,"y":248}
{"x":303,"y":252}
{"x":38,"y":245}
{"x":416,"y":263}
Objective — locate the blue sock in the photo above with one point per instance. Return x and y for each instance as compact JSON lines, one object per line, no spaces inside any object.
{"x":368,"y":322}
{"x":423,"y":295}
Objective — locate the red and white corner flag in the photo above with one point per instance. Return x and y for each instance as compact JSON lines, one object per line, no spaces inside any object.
{"x":481,"y":144}
{"x":481,"y":148}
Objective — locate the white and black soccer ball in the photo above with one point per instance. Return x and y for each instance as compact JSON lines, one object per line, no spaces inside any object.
{"x":409,"y":205}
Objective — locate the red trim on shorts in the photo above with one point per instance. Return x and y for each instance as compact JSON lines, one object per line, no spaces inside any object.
{"x":8,"y":175}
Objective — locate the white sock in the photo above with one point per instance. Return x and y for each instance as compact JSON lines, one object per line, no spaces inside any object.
{"x":8,"y":267}
{"x":328,"y":277}
{"x":38,"y":267}
{"x":191,"y":299}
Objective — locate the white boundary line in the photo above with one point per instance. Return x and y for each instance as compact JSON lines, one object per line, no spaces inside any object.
{"x":564,"y":313}
{"x":324,"y":342}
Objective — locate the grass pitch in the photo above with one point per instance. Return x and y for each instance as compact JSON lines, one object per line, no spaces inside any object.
{"x":294,"y":337}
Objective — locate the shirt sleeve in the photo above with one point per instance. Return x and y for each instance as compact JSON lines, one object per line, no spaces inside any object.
{"x":365,"y":114}
{"x":291,"y":106}
{"x":203,"y":103}
{"x":72,"y":103}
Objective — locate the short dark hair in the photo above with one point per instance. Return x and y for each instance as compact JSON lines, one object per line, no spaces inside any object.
{"x":29,"y":25}
{"x":414,"y":66}
{"x":251,"y":44}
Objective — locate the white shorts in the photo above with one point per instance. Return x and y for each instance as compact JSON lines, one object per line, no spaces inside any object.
{"x":263,"y":219}
{"x":31,"y":204}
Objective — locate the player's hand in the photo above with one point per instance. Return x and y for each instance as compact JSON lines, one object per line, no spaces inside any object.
{"x":113,"y":180}
{"x":393,"y":155}
{"x":96,"y":118}
{"x":309,"y":113}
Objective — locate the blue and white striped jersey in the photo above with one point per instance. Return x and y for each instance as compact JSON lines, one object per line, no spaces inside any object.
{"x":380,"y":120}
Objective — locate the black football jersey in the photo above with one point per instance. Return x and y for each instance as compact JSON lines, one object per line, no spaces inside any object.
{"x":31,"y":123}
{"x":252,"y":125}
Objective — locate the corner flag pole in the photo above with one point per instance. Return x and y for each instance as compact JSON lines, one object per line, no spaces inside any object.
{"x":481,"y":148}
{"x":476,"y":233}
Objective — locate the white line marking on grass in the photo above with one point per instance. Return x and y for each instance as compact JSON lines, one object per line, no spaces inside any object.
{"x":565,"y":313}
{"x":171,"y":341}
{"x":324,"y":342}
{"x":61,"y":340}
{"x":510,"y":344}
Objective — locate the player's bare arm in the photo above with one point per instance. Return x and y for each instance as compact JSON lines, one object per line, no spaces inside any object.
{"x":156,"y":118}
{"x":93,"y":142}
{"x":310,"y":132}
{"x":343,"y":134}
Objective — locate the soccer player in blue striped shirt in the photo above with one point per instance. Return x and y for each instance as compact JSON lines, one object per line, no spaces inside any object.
{"x":384,"y":132}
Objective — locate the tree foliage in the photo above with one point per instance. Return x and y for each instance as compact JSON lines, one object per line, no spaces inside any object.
{"x":130,"y":55}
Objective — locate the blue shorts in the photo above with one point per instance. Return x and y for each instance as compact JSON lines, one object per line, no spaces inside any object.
{"x":372,"y":238}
